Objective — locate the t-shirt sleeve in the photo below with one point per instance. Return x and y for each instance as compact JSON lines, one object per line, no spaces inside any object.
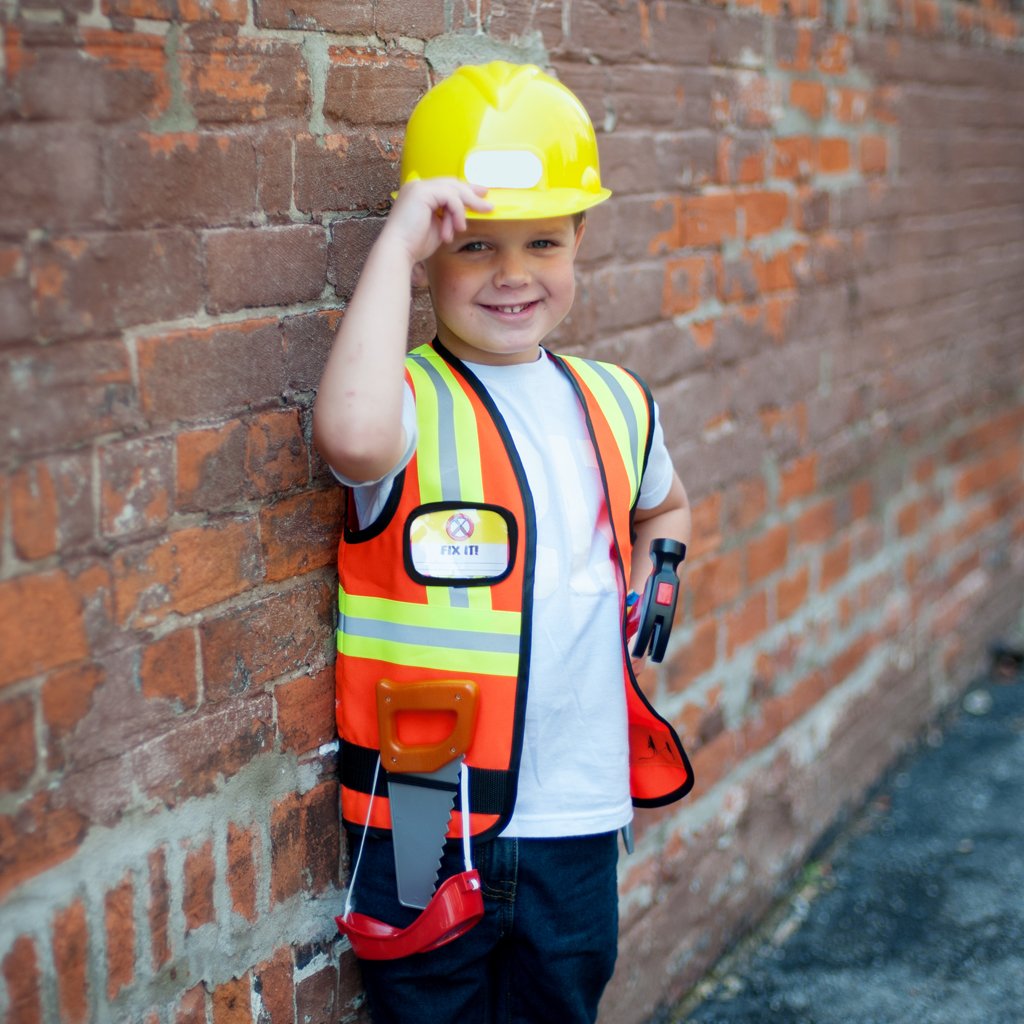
{"x":371,"y":496}
{"x":657,"y":479}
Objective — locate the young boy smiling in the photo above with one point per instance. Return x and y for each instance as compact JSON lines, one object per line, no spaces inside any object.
{"x":562,"y":464}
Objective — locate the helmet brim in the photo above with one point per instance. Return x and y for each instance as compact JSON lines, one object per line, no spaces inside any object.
{"x":531,"y":204}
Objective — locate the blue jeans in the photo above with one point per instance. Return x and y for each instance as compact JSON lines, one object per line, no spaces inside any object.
{"x":543,"y":952}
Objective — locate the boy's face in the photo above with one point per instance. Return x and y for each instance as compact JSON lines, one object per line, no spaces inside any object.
{"x":499,"y":288}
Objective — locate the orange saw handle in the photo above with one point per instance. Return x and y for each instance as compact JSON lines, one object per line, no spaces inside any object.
{"x":458,"y":696}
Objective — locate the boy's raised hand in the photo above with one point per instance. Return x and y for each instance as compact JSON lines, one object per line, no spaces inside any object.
{"x":429,"y":212}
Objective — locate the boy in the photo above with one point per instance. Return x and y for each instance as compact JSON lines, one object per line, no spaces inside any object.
{"x":493,"y":492}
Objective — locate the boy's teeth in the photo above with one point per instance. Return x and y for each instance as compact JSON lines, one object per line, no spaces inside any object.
{"x":513,"y":309}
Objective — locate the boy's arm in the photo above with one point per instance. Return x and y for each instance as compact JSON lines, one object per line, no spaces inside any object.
{"x":669,"y":519}
{"x":357,"y":418}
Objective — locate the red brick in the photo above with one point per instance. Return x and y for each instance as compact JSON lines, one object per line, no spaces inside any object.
{"x":744,"y":625}
{"x":203,"y":752}
{"x":707,"y":527}
{"x":96,"y":284}
{"x":190,"y":179}
{"x":746,"y":504}
{"x":833,"y":156}
{"x":197,"y":899}
{"x":741,"y":161}
{"x":21,"y":972}
{"x":116,"y":75}
{"x":242,"y":874}
{"x":874,"y":154}
{"x":135,"y":486}
{"x":211,"y":470}
{"x":17,"y":320}
{"x":791,"y":594}
{"x":264,"y":266}
{"x":67,"y":697}
{"x":808,"y":97}
{"x":51,"y":506}
{"x":212,"y":371}
{"x":305,"y":711}
{"x":987,"y":474}
{"x":275,"y":988}
{"x":766,"y":554}
{"x":61,"y":396}
{"x":71,"y":961}
{"x":36,"y":837}
{"x":304,"y":842}
{"x":18,"y":752}
{"x":301,"y":534}
{"x":159,"y":910}
{"x":835,"y":55}
{"x":696,"y":657}
{"x":715,"y":582}
{"x":707,"y":220}
{"x":835,"y":565}
{"x":185,"y":571}
{"x":231,"y":1002}
{"x":794,"y":158}
{"x":34,"y":512}
{"x":351,"y":241}
{"x":191,"y":1007}
{"x":760,"y":213}
{"x":31,"y":607}
{"x":247,"y":82}
{"x":119,"y":920}
{"x":168,"y":669}
{"x":798,"y":479}
{"x":816,"y":524}
{"x":686,"y":284}
{"x":365,"y":87}
{"x":315,"y":995}
{"x":420,"y":19}
{"x":354,"y":18}
{"x":251,"y":646}
{"x":50,"y":178}
{"x":357,"y":170}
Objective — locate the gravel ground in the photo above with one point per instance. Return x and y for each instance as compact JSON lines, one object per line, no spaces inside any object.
{"x":916,"y":914}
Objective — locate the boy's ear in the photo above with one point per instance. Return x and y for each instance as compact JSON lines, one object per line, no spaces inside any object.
{"x":580,"y":231}
{"x":419,"y":275}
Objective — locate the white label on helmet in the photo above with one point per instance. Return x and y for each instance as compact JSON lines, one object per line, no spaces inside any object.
{"x":503,"y":168}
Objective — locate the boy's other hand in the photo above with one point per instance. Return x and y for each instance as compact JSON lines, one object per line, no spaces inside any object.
{"x":430,"y":212}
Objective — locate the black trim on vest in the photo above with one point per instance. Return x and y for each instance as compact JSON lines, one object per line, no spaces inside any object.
{"x":387,"y":513}
{"x":489,"y":789}
{"x":459,"y":581}
{"x":526,"y":632}
{"x":688,"y":785}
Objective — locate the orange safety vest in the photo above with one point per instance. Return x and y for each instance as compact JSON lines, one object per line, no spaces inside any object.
{"x":407,"y":622}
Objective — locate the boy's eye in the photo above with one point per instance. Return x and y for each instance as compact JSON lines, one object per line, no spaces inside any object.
{"x":474,"y":247}
{"x":543,"y":243}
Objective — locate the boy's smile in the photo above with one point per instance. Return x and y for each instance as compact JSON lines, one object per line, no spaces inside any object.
{"x":499,"y":288}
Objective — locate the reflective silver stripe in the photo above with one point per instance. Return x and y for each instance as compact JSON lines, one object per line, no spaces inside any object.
{"x":448,"y":456}
{"x":628,"y":410}
{"x":429,"y":636}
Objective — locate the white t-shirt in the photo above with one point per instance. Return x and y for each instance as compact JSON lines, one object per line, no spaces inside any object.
{"x":574,"y":773}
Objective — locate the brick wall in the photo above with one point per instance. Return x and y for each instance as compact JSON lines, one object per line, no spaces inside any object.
{"x":815,"y":255}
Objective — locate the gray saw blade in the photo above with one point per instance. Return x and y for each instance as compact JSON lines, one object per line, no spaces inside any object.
{"x":421,"y":807}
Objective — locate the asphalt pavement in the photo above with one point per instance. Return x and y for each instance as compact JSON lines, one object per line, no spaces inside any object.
{"x":915,"y":914}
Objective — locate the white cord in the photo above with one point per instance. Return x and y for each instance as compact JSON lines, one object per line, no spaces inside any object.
{"x":362,"y":842}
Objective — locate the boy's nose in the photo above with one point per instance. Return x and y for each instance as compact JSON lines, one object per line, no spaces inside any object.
{"x":511,"y":271}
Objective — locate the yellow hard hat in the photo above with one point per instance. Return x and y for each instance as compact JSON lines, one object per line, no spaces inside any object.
{"x":513,"y":129}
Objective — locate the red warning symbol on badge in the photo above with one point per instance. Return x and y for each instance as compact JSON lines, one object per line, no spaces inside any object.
{"x":459,"y":526}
